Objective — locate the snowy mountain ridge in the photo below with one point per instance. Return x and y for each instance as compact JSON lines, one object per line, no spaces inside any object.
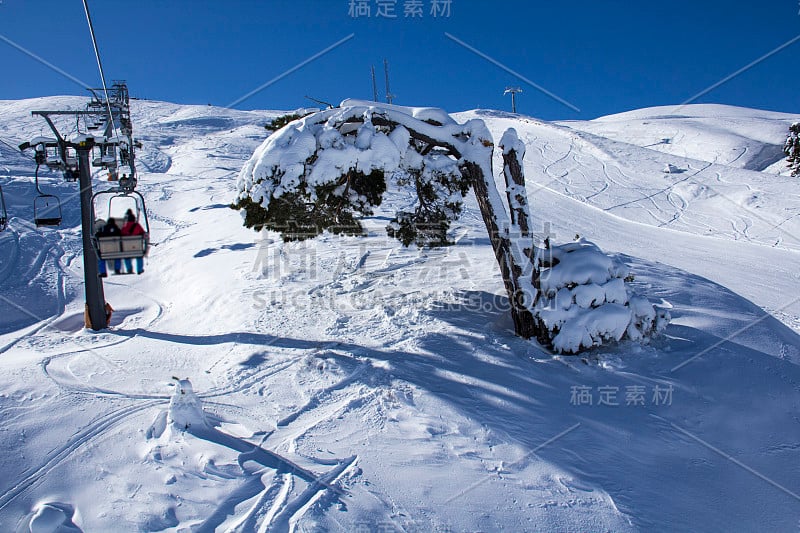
{"x":352,"y":384}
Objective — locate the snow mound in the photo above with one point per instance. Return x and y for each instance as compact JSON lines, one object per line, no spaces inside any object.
{"x":584,"y":301}
{"x":53,"y":518}
{"x":185,"y":408}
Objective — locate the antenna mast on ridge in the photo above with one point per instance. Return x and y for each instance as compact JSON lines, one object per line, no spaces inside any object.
{"x":374,"y":86}
{"x":389,"y":95}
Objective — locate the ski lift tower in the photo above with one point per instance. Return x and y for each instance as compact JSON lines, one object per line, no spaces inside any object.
{"x":73,"y":158}
{"x":97,"y":119}
{"x":513,"y":91}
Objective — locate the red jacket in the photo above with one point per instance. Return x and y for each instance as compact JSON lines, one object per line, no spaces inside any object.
{"x":132,"y":228}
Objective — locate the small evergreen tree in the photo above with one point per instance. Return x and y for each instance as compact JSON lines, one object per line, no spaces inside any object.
{"x":792,"y":148}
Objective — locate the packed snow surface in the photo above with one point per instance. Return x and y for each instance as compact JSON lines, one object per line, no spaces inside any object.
{"x":347,"y":384}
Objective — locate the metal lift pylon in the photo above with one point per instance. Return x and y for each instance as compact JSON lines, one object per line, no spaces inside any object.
{"x":83,"y":145}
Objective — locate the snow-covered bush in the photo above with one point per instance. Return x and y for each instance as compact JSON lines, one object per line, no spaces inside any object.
{"x":440,"y":187}
{"x":585,"y":300}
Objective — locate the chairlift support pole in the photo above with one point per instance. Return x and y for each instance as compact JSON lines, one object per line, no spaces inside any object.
{"x":93,"y":283}
{"x":95,"y":296}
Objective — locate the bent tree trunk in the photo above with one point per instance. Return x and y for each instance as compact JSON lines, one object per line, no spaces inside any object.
{"x":512,"y":263}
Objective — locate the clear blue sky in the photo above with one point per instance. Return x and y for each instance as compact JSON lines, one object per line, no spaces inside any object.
{"x":602,"y":57}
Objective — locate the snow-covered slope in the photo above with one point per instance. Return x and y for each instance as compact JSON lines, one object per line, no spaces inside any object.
{"x":350,"y":383}
{"x":726,"y":135}
{"x":699,"y":196}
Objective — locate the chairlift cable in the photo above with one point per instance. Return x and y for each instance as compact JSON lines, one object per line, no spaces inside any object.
{"x":99,"y":65}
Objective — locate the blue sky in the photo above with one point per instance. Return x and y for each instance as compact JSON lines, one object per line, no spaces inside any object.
{"x":601,"y":57}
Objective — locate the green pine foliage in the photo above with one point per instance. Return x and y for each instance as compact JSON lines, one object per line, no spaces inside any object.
{"x":438,"y":206}
{"x":279,"y":122}
{"x":335,"y":206}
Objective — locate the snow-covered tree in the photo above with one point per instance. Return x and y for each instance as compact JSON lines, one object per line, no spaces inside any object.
{"x":323,"y":172}
{"x":327,"y":170}
{"x":792,"y":148}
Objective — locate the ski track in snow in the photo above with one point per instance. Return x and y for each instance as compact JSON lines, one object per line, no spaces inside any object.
{"x":98,"y":426}
{"x":32,"y":272}
{"x":374,"y":414}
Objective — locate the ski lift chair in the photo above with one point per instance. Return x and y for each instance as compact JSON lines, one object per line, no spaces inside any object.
{"x":3,"y":212}
{"x":105,"y":156}
{"x":121,"y":246}
{"x":46,"y":207}
{"x":96,"y":123}
{"x":72,"y":170}
{"x":47,"y":211}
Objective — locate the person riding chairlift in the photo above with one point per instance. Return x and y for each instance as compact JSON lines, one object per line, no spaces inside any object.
{"x":132,"y":227}
{"x":108,"y":229}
